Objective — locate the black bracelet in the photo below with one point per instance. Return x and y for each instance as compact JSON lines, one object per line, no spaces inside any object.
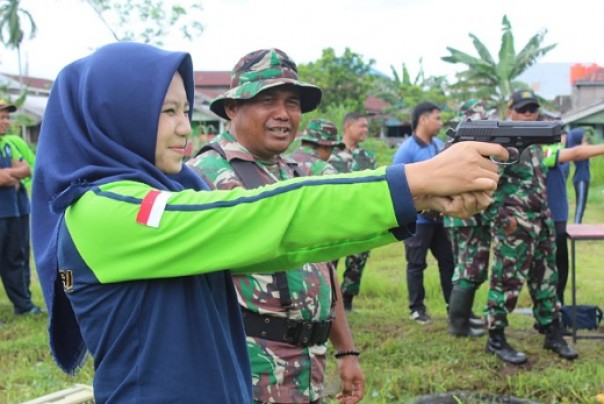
{"x":340,"y":354}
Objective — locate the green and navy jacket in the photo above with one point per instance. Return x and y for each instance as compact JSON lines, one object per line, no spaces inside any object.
{"x":133,"y":261}
{"x":175,"y":246}
{"x":557,"y":197}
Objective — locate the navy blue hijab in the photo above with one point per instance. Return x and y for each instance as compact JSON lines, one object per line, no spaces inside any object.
{"x":100,"y":126}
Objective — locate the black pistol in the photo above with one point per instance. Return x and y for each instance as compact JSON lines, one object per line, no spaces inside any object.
{"x":513,"y":135}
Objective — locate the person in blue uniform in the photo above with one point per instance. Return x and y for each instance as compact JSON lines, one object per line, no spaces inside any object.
{"x":582,"y":175}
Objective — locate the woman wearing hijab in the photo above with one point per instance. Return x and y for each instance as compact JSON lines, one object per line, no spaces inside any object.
{"x":131,"y":251}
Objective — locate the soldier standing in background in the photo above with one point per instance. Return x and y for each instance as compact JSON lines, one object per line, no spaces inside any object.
{"x":318,"y":141}
{"x":471,"y":243}
{"x":524,"y":246}
{"x":353,"y":158}
{"x":288,"y":316}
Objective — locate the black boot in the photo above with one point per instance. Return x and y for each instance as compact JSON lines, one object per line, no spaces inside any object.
{"x":347,"y":300}
{"x":566,"y":332}
{"x":460,"y":307}
{"x":555,"y":342}
{"x":498,"y":345}
{"x":476,"y":321}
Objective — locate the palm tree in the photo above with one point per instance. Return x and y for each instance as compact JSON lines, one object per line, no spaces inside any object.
{"x":11,"y":27}
{"x":492,"y":80}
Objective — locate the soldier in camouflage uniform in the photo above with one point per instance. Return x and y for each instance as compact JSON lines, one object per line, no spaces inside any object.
{"x":524,"y":246}
{"x":264,"y":107}
{"x":317,"y":143}
{"x":471,"y":243}
{"x":352,"y":157}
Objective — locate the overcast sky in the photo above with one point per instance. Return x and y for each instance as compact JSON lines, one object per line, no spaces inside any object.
{"x":391,"y":32}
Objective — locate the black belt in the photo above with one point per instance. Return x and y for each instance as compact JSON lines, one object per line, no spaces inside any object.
{"x":296,"y":332}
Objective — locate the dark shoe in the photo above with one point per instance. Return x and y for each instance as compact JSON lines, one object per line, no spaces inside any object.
{"x":421,"y":317}
{"x":460,"y":308}
{"x":567,"y":332}
{"x":539,"y":329}
{"x":347,"y":300}
{"x":33,"y":310}
{"x":555,"y":342}
{"x":498,"y":345}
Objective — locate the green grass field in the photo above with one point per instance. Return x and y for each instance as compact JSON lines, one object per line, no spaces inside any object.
{"x":401,"y":360}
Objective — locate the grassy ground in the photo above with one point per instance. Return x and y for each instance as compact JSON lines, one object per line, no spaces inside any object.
{"x":401,"y":359}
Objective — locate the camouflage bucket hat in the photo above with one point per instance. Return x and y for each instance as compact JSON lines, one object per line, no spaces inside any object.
{"x":473,"y":110}
{"x":322,"y":132}
{"x":261,"y":70}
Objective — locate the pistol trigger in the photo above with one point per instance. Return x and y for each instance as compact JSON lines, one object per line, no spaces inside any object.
{"x":514,"y":154}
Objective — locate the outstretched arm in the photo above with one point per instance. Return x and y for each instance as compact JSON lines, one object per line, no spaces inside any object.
{"x":581,"y":152}
{"x":269,"y":226}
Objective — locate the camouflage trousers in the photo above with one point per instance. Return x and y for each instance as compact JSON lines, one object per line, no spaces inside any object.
{"x":471,"y":250}
{"x":353,"y":271}
{"x":284,"y":373}
{"x":528,"y":254}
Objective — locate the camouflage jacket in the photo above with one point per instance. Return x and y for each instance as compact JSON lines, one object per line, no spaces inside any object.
{"x":310,"y":164}
{"x":482,"y":219}
{"x":479,"y":219}
{"x":281,"y":372}
{"x":521,"y":189}
{"x":352,"y":160}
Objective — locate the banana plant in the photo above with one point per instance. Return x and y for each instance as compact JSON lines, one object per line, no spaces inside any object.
{"x":493,"y":80}
{"x":13,"y":22}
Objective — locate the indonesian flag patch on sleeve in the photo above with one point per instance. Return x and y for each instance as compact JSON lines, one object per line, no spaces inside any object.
{"x":152,"y":208}
{"x":548,"y":152}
